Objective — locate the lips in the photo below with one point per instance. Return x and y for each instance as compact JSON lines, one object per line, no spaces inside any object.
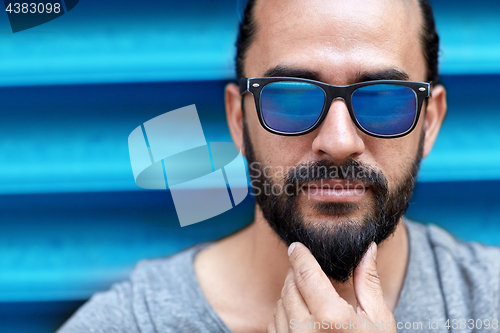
{"x":335,"y":190}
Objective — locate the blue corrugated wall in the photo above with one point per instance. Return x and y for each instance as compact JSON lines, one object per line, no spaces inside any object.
{"x":72,"y":220}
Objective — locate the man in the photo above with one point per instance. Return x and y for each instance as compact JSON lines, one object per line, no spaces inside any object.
{"x":342,"y":103}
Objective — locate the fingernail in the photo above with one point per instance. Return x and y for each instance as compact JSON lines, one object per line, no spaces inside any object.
{"x":290,"y":249}
{"x":373,"y":248}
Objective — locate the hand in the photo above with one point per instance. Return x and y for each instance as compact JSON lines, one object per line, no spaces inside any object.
{"x":308,"y":298}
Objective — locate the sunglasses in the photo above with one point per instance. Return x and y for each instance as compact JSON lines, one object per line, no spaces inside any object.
{"x":294,"y":106}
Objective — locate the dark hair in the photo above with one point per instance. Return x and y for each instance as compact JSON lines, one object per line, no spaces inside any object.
{"x":429,"y":39}
{"x":246,"y":36}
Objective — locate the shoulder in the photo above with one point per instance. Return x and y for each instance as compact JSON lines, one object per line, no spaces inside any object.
{"x":469,"y":272}
{"x":448,"y":250}
{"x":158,"y":294}
{"x":108,"y":311}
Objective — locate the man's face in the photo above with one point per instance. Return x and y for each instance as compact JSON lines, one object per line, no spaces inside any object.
{"x":342,"y":42}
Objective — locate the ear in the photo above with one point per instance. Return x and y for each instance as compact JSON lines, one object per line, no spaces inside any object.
{"x":234,"y":114}
{"x":436,"y":110}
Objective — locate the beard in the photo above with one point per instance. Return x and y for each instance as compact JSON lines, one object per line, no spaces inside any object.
{"x":338,"y":246}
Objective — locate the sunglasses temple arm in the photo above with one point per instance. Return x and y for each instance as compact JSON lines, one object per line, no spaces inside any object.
{"x":243,"y":85}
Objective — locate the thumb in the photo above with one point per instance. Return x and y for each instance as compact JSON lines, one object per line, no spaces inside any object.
{"x":367,"y":285}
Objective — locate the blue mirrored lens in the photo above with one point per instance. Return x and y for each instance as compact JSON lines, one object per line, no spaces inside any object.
{"x":291,"y":107}
{"x":385,"y":109}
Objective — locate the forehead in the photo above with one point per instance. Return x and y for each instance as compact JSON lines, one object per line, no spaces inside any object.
{"x":337,"y":38}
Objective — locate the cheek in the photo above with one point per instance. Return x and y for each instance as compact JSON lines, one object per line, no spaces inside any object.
{"x":281,"y":151}
{"x":395,"y":157}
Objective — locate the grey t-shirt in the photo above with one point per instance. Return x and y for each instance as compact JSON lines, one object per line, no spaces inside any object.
{"x":445,"y":280}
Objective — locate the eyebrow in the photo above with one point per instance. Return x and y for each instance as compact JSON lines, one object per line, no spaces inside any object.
{"x":284,"y":71}
{"x":387,"y":74}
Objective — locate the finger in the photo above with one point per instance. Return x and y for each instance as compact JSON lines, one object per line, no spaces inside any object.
{"x":294,"y":304}
{"x":280,"y":318}
{"x":312,"y":282}
{"x":271,"y":328}
{"x":367,"y":286}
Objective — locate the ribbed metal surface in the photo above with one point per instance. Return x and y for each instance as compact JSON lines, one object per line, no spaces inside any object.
{"x":72,"y":220}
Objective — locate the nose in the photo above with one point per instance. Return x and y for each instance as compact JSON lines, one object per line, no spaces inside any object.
{"x":337,"y":137}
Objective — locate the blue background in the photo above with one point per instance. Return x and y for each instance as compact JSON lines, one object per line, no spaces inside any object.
{"x":72,"y":220}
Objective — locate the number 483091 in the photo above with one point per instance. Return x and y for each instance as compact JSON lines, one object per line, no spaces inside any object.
{"x":33,"y":8}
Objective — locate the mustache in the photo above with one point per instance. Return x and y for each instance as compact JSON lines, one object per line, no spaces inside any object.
{"x":349,"y":170}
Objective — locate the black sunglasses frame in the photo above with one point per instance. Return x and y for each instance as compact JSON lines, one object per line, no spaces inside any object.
{"x":255,"y":86}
